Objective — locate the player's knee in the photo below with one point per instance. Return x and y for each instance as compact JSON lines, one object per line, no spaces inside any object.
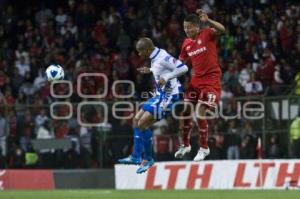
{"x":141,"y":125}
{"x":135,"y":121}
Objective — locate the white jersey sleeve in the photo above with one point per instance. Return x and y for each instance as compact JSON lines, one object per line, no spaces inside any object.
{"x":164,"y":65}
{"x":176,"y":67}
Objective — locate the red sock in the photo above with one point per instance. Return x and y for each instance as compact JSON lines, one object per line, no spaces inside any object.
{"x":203,"y":133}
{"x":186,"y":129}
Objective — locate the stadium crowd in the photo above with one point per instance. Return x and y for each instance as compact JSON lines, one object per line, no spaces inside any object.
{"x":259,"y":55}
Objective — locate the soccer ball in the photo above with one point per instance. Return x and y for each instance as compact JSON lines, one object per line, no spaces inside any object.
{"x":55,"y":72}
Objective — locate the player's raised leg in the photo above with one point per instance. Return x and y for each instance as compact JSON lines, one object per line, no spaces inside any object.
{"x":203,"y":133}
{"x":186,"y":122}
{"x":144,"y":124}
{"x":208,"y":100}
{"x":138,"y":148}
{"x":185,"y":128}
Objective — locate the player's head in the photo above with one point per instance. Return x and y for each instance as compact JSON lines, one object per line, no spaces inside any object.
{"x":191,"y":25}
{"x":145,"y":47}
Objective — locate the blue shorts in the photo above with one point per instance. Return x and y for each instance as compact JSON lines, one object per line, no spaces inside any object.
{"x":155,"y":106}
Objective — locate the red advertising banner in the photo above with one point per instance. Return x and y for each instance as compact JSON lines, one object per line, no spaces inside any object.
{"x":26,"y":179}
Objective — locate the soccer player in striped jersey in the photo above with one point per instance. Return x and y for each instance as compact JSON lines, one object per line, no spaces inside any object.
{"x":165,"y":69}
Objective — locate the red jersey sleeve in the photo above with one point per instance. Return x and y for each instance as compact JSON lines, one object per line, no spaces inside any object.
{"x":183,"y":54}
{"x":209,"y":33}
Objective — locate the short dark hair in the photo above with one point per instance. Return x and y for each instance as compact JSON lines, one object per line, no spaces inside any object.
{"x":192,"y":18}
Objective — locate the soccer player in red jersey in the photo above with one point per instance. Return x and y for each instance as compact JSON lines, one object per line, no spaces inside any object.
{"x":205,"y":86}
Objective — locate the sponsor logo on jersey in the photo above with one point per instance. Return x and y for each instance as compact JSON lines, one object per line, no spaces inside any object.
{"x":198,"y":51}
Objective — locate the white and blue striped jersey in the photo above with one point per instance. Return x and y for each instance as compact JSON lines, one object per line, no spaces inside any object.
{"x":164,"y":65}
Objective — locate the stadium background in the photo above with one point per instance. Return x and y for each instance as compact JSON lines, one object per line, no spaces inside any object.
{"x":259,"y":56}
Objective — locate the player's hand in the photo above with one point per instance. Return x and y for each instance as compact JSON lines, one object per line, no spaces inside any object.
{"x":202,"y":15}
{"x":162,"y":82}
{"x":144,"y":70}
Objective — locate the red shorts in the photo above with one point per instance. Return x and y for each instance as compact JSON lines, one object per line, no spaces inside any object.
{"x":206,"y":94}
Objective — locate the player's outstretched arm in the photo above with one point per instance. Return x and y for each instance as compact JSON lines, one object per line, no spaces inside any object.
{"x":219,"y":28}
{"x":177,"y":72}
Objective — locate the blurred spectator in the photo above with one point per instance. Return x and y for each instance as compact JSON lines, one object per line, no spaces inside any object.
{"x":17,"y":81}
{"x":12,"y":123}
{"x":8,"y":98}
{"x":288,"y":72}
{"x":22,"y":55}
{"x":27,"y":87}
{"x":85,"y":147}
{"x":25,"y":125}
{"x":43,"y":15}
{"x":60,"y":17}
{"x":71,"y":157}
{"x":219,"y":137}
{"x":101,"y":144}
{"x":124,"y":43}
{"x":226,"y":94}
{"x":16,"y":157}
{"x":2,"y":160}
{"x":120,"y":67}
{"x":215,"y":151}
{"x":231,"y":76}
{"x":227,"y":43}
{"x":121,"y":143}
{"x":247,"y":150}
{"x":20,"y":104}
{"x":233,"y":141}
{"x":244,"y":75}
{"x":190,"y":6}
{"x":3,"y":80}
{"x":295,"y":137}
{"x":297,"y":80}
{"x":277,"y":76}
{"x":265,"y":70}
{"x":31,"y":157}
{"x":162,"y":143}
{"x":273,"y":150}
{"x":61,"y":129}
{"x":253,"y":86}
{"x":278,"y":82}
{"x":45,"y":155}
{"x":4,"y":130}
{"x":39,"y":81}
{"x":41,"y":118}
{"x":22,"y":67}
{"x":159,"y":128}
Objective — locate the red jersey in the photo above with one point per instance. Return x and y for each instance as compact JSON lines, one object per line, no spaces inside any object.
{"x":204,"y":57}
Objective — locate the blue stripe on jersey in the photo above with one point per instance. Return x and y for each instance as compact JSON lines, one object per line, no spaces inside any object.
{"x":168,"y":84}
{"x":180,"y":89}
{"x":180,"y":65}
{"x":158,"y":87}
{"x":156,"y":54}
{"x":167,"y":58}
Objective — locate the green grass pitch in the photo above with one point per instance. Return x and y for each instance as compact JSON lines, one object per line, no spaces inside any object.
{"x":115,"y":194}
